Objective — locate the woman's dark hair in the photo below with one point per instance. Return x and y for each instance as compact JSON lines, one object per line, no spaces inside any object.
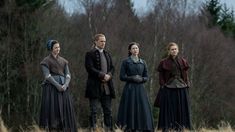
{"x":130,"y":45}
{"x":50,"y":44}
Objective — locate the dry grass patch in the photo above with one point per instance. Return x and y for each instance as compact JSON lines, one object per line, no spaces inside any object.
{"x":3,"y":128}
{"x":222,"y":127}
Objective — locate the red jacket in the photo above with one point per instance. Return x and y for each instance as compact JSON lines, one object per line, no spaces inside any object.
{"x":165,"y":67}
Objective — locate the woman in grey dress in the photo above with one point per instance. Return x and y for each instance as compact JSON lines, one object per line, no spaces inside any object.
{"x":134,"y":112}
{"x":57,"y":112}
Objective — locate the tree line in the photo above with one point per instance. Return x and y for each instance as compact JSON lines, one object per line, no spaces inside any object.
{"x":205,"y":38}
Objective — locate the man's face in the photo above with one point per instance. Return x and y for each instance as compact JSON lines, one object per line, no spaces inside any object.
{"x":100,"y":43}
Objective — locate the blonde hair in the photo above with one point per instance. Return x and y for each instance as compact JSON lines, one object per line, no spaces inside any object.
{"x":97,"y":36}
{"x":171,"y":44}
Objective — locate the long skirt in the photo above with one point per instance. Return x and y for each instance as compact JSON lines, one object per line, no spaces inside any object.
{"x":134,"y":110}
{"x":57,"y":111}
{"x":174,"y":109}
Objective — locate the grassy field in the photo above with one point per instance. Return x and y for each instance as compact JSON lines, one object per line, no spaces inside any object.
{"x":221,"y":128}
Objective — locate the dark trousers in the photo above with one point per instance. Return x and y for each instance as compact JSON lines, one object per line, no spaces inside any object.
{"x":105,"y":101}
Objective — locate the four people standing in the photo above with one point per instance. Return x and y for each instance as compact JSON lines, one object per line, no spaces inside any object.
{"x":134,"y":113}
{"x":99,"y":88}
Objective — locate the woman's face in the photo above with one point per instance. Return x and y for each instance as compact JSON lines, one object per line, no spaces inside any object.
{"x":56,"y":49}
{"x":134,"y":50}
{"x":173,"y":51}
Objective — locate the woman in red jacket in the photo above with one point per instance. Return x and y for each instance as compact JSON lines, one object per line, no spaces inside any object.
{"x":174,"y":100}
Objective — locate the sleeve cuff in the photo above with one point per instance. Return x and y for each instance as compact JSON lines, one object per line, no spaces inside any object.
{"x":101,"y":75}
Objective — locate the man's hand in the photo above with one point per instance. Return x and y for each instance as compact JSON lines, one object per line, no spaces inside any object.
{"x":107,"y":77}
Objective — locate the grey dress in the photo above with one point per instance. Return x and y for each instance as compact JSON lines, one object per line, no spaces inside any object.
{"x":57,"y":111}
{"x":134,"y":110}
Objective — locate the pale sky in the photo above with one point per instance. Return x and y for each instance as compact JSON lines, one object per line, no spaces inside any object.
{"x":229,"y":3}
{"x":141,"y":6}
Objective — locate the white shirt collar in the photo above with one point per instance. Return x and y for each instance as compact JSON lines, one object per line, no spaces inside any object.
{"x":100,"y":50}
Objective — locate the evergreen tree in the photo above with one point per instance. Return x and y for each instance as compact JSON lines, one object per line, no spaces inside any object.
{"x":214,"y":8}
{"x":221,"y":16}
{"x":226,"y":21}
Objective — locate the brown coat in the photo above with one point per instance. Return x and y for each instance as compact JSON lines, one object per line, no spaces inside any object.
{"x":56,"y":66}
{"x":165,"y":68}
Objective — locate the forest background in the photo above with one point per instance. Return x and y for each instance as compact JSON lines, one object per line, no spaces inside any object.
{"x":206,"y":38}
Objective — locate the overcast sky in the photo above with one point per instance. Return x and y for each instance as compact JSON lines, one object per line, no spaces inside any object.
{"x":141,"y":6}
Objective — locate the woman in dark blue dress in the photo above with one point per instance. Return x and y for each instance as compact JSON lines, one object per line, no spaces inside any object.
{"x":57,"y":113}
{"x":134,"y":112}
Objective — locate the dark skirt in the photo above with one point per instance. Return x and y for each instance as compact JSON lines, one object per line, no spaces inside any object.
{"x":174,"y":109}
{"x":57,"y":111}
{"x":134,"y":110}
